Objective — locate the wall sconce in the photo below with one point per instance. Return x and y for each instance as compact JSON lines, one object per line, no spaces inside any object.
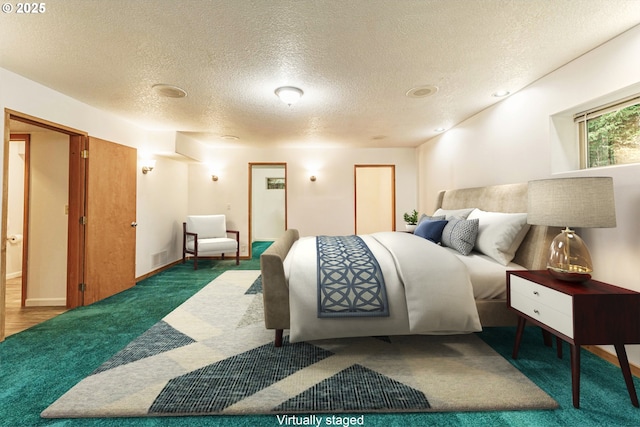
{"x":312,"y":178}
{"x":214,"y":171}
{"x":148,"y":165}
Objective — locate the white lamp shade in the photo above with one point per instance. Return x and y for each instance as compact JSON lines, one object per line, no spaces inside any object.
{"x":583,"y":202}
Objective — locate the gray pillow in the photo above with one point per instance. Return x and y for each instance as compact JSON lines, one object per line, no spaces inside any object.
{"x":461,"y":234}
{"x":454,"y":213}
{"x":430,"y":218}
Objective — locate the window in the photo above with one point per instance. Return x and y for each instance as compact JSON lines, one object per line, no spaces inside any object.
{"x":610,"y":134}
{"x":275,"y":183}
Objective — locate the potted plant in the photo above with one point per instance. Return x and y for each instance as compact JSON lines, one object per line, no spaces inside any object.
{"x":411,"y":219}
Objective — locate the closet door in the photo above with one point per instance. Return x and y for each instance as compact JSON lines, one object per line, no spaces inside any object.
{"x":375,"y":198}
{"x":110,"y":233}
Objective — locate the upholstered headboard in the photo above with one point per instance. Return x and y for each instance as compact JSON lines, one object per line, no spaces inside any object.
{"x":509,"y":198}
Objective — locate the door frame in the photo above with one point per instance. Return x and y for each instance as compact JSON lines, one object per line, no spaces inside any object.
{"x":26,"y":138}
{"x":250,"y":216}
{"x":77,"y":142}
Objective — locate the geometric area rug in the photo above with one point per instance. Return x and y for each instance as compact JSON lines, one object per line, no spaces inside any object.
{"x":212,"y":355}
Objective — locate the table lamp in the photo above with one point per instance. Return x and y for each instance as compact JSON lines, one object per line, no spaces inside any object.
{"x":584,"y":202}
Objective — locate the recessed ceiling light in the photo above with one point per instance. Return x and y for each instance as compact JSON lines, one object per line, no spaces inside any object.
{"x":421,"y":91}
{"x":230,"y":137}
{"x":500,"y":93}
{"x":439,"y":130}
{"x":169,"y":91}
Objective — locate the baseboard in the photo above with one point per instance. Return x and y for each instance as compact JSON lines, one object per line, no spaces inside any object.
{"x":166,"y":267}
{"x":611,"y":358}
{"x":157,"y":270}
{"x":45,"y":302}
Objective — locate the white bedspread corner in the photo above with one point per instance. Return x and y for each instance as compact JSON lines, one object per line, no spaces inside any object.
{"x":437,"y":285}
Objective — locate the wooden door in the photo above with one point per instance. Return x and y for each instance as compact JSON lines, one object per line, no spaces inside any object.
{"x":110,"y":234}
{"x":375,"y":198}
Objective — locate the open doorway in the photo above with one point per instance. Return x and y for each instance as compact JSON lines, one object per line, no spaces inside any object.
{"x":37,"y":225}
{"x":267,"y":202}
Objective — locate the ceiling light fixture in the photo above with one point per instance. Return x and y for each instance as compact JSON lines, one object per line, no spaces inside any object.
{"x":439,"y":130}
{"x":421,"y":91}
{"x":500,"y":93}
{"x":169,"y":91}
{"x":289,"y":94}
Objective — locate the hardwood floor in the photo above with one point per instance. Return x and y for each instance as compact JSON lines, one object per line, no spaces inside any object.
{"x":20,"y":318}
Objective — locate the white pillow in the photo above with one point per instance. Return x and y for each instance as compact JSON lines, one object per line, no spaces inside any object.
{"x":453,"y":213}
{"x":500,"y":234}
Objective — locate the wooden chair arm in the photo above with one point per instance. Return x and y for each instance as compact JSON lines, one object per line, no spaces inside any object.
{"x":236,"y":232}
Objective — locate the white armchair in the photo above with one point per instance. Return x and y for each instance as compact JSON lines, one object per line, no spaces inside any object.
{"x":206,"y":235}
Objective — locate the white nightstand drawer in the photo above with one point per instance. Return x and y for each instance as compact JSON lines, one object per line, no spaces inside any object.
{"x":542,"y":295}
{"x":551,"y":317}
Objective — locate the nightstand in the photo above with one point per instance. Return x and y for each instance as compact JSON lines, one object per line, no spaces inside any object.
{"x":586,"y":313}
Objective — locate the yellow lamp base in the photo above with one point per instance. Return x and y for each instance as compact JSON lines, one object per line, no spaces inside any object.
{"x":569,"y":258}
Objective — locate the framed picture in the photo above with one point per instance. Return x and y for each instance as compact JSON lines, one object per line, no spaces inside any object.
{"x":275,"y":183}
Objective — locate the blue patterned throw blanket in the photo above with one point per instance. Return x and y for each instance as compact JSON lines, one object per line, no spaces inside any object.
{"x":350,"y":281}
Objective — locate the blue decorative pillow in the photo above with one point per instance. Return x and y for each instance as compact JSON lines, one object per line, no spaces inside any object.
{"x":461,"y":234}
{"x":430,"y":229}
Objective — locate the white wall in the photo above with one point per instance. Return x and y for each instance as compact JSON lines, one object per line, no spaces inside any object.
{"x":514,"y":141}
{"x":48,"y":220}
{"x":162,"y":207}
{"x":325,"y":206}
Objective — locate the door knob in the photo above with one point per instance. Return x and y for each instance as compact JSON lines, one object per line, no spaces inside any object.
{"x":134,"y":224}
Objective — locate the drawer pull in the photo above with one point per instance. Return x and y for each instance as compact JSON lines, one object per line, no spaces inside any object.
{"x":536,"y":311}
{"x":536,"y":293}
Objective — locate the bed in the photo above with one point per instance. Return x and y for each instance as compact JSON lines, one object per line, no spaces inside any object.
{"x":478,"y":276}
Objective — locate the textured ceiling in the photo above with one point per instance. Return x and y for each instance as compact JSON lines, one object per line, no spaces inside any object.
{"x":355,"y":61}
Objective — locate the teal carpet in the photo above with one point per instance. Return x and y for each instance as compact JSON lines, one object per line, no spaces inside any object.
{"x":39,"y":365}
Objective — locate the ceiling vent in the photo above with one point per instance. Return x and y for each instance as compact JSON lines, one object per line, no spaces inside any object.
{"x":422,"y":91}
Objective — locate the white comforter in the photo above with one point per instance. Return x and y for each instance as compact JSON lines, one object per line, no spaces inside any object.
{"x":428,"y":289}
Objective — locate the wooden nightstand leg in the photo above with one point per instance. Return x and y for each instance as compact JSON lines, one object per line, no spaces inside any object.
{"x":575,"y":374}
{"x":559,"y":347}
{"x":626,"y":373}
{"x":516,"y":345}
